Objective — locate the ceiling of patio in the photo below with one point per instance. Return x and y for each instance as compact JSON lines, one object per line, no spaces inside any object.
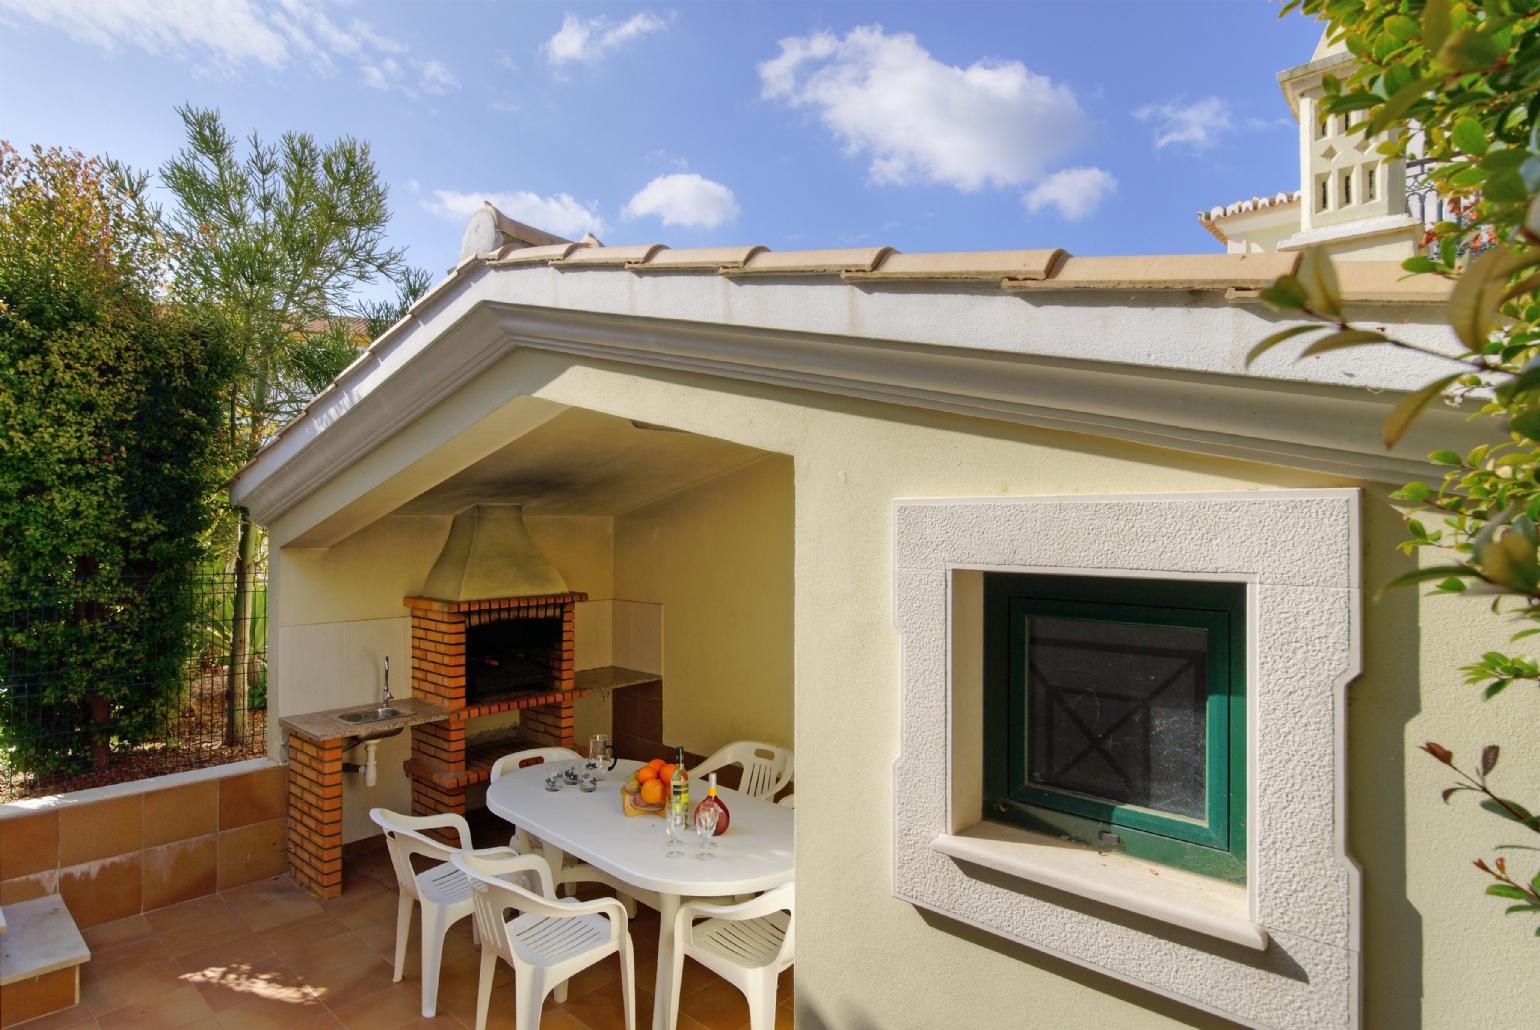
{"x":584,"y":462}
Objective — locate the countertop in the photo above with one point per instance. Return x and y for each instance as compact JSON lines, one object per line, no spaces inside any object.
{"x":326,"y":726}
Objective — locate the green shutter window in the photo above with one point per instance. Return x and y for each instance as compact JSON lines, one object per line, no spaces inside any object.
{"x":1115,"y":714}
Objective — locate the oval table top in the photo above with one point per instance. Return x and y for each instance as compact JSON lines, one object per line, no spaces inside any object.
{"x":755,"y":854}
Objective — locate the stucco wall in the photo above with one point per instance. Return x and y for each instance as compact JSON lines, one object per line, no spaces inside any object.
{"x":1437,"y":953}
{"x":867,"y":960}
{"x":718,"y":558}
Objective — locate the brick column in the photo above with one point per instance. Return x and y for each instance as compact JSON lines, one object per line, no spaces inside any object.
{"x":315,"y":815}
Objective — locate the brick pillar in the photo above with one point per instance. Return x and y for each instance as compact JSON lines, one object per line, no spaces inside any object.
{"x":315,"y":815}
{"x":547,"y":725}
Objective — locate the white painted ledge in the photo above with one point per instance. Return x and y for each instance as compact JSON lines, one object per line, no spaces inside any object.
{"x":1197,"y":903}
{"x":74,"y":799}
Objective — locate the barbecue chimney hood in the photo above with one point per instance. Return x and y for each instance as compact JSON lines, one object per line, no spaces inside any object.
{"x":489,"y":555}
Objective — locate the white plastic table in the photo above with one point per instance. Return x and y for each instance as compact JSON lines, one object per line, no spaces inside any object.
{"x":755,"y":854}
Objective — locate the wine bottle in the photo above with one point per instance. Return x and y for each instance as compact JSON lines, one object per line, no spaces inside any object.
{"x":715,"y":802}
{"x":679,"y":787}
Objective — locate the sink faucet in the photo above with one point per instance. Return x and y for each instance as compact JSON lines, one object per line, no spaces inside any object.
{"x":385,"y":701}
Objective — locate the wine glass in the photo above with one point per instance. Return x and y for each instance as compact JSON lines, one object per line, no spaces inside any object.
{"x":674,"y":827}
{"x":706,"y":817}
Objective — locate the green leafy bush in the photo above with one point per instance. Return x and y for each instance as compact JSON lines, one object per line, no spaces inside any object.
{"x":110,"y":446}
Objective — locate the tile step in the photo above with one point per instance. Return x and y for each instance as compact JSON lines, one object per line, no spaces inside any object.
{"x":40,"y":937}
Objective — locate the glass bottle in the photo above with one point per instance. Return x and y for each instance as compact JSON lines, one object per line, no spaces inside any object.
{"x":679,"y":789}
{"x":717,"y":803}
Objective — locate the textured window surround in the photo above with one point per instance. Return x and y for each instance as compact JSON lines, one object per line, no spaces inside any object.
{"x":1281,"y":952}
{"x":1183,"y":899}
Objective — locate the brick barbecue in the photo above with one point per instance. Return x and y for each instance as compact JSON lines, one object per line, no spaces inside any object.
{"x":446,"y":668}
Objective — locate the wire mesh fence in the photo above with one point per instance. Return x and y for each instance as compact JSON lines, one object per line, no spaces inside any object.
{"x":108,"y":679}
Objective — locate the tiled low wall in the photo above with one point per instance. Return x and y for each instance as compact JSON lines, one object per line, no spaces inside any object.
{"x":116,"y":851}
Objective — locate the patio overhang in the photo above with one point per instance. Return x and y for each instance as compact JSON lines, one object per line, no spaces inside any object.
{"x":1146,"y":350}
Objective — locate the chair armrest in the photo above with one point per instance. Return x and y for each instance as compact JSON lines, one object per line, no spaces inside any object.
{"x":598,"y":906}
{"x":781,"y":899}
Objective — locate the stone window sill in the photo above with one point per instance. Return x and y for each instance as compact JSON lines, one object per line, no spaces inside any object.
{"x":1169,"y":895}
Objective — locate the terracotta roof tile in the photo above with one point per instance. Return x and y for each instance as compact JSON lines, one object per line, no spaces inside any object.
{"x":512,"y":255}
{"x":1166,"y":272}
{"x":992,"y":265}
{"x":712,"y":258}
{"x":813,"y":262}
{"x":609,"y":257}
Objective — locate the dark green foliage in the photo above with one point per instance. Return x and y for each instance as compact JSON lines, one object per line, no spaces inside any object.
{"x":110,"y":441}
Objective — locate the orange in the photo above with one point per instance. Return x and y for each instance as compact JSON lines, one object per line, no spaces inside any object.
{"x":646,"y":774}
{"x":656,"y":764}
{"x":666,"y":774}
{"x":652,"y":792}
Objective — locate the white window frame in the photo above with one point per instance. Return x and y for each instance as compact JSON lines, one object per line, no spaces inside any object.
{"x":1281,"y":951}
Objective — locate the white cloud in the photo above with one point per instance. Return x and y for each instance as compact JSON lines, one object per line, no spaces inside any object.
{"x":436,"y":78}
{"x":685,"y":199}
{"x":227,"y":36}
{"x":560,"y":214}
{"x":993,"y":123}
{"x":589,"y":39}
{"x":1198,"y":125}
{"x":1075,"y":192}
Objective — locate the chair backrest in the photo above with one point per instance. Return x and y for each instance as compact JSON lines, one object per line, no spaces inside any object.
{"x":492,"y":895}
{"x":532,"y":756}
{"x":404,"y":838}
{"x":766,"y":767}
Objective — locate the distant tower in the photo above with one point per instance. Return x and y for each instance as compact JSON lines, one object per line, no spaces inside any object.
{"x":1352,"y":198}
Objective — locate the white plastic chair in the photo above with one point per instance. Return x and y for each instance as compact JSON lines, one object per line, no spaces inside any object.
{"x":748,"y":944}
{"x":441,"y":890}
{"x":548,"y":942}
{"x":766,"y":767}
{"x":570,"y":872}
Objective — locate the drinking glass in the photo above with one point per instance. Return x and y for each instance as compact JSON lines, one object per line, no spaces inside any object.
{"x":706,"y":817}
{"x":674,"y":827}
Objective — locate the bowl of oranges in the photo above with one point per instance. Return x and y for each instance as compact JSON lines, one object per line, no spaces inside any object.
{"x":646,"y":792}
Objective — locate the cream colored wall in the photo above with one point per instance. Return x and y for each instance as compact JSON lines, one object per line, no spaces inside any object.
{"x":868,"y":960}
{"x":1437,"y":953}
{"x":718,"y":559}
{"x":338,"y":613}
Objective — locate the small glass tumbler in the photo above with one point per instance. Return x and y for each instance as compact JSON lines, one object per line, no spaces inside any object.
{"x":706,"y":817}
{"x":674,"y":824}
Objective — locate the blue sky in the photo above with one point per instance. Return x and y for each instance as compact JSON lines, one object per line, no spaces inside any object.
{"x":1097,"y":126}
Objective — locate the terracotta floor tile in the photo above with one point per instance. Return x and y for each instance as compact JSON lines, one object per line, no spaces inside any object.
{"x":271,"y":903}
{"x":719,"y":1005}
{"x":391,"y":1009}
{"x":119,"y":931}
{"x":380,"y":934}
{"x":171,"y":1009}
{"x":323,"y":956}
{"x":290,"y":938}
{"x":239,"y":986}
{"x":557,"y":1019}
{"x":602,"y":1007}
{"x":216,"y":925}
{"x":240,"y":953}
{"x":187,"y":913}
{"x":107,"y":963}
{"x":345,"y":984}
{"x":131,"y":988}
{"x":696,"y":976}
{"x":361,"y":909}
{"x":253,"y":1012}
{"x":600,"y":974}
